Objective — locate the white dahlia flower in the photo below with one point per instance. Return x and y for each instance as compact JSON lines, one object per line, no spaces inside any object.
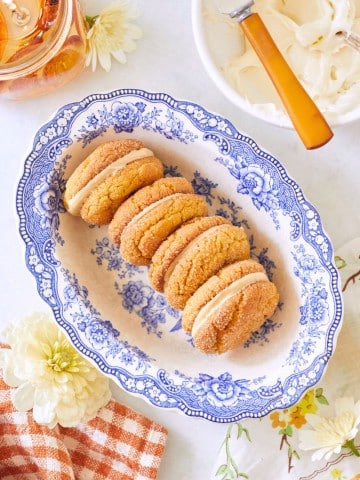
{"x":52,"y":379}
{"x":329,"y":435}
{"x":112,"y":33}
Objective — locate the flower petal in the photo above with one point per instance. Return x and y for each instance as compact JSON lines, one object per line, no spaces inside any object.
{"x":119,"y":56}
{"x":134,"y":31}
{"x":313,"y":419}
{"x":112,"y":34}
{"x":70,"y":415}
{"x":52,"y":378}
{"x":93,"y":59}
{"x":344,"y":404}
{"x":105,"y":60}
{"x":45,"y":414}
{"x":7,"y":365}
{"x":23,"y":397}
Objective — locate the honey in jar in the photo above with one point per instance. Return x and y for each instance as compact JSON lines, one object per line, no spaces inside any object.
{"x":42,"y":45}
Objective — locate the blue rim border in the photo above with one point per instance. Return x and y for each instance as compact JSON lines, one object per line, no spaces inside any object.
{"x":97,"y":358}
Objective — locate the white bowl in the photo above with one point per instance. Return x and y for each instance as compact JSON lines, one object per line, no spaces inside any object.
{"x":107,"y":307}
{"x":219,"y":40}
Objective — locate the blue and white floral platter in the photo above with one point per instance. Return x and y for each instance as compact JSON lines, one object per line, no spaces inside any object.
{"x":107,"y":308}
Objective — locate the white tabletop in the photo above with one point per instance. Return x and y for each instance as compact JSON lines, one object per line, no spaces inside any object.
{"x":166,"y":61}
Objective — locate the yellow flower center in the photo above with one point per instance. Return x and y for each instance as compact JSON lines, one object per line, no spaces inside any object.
{"x":61,"y":357}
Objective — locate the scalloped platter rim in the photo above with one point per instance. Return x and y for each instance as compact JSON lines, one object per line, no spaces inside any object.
{"x":107,"y":308}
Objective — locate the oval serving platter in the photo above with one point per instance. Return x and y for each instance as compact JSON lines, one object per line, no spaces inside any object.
{"x":106,"y":306}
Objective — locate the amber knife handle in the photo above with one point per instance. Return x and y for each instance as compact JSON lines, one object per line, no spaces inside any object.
{"x":308,"y":121}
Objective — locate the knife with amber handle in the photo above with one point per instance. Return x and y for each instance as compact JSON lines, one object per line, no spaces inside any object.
{"x":307,"y":119}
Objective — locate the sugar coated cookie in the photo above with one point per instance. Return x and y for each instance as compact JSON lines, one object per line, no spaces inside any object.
{"x":152,"y":224}
{"x":110,"y":174}
{"x":175,"y":244}
{"x":200,"y":262}
{"x":201,"y":258}
{"x":142,"y":199}
{"x":230,"y":306}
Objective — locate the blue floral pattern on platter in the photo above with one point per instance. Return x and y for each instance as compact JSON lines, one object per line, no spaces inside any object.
{"x":256,"y":183}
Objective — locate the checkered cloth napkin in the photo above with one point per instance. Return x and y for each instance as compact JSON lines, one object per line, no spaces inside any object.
{"x":118,"y":444}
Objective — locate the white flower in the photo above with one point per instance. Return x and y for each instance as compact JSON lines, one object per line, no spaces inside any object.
{"x":112,"y":33}
{"x":329,"y":435}
{"x":51,"y":377}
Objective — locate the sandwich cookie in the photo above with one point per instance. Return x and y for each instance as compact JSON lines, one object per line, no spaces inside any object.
{"x":230,"y":306}
{"x":201,"y":258}
{"x":174,"y":245}
{"x":166,"y":209}
{"x":144,"y":197}
{"x":110,"y":174}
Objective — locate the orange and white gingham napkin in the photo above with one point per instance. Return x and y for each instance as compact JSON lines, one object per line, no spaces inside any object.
{"x":118,"y":444}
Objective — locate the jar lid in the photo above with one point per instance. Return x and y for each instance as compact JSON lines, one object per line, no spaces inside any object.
{"x":30,"y":32}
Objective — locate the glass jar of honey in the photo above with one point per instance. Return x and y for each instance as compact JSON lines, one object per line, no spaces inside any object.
{"x":42,"y":45}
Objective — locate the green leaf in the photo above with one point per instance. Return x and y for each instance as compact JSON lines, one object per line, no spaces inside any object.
{"x":320,"y":397}
{"x":340,"y":262}
{"x":247,"y":434}
{"x":91,"y":20}
{"x":222,"y":469}
{"x":295,"y":453}
{"x":242,"y":430}
{"x":351,"y":445}
{"x":322,"y":400}
{"x":234,"y":466}
{"x":290,"y":451}
{"x":288,"y":430}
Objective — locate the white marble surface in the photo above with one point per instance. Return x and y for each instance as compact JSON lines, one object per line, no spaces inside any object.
{"x":166,"y":61}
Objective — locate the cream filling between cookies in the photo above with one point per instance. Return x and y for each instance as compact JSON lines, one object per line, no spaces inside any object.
{"x":153,"y":205}
{"x":182,"y":254}
{"x":230,"y":291}
{"x":76,"y":202}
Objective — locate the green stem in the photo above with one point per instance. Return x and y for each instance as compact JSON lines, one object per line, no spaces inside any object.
{"x":351,"y":446}
{"x":229,"y":460}
{"x":230,"y":468}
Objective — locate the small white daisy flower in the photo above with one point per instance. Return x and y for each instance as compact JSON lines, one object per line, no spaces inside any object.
{"x":51,"y":377}
{"x":112,"y":33}
{"x":330,"y":435}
